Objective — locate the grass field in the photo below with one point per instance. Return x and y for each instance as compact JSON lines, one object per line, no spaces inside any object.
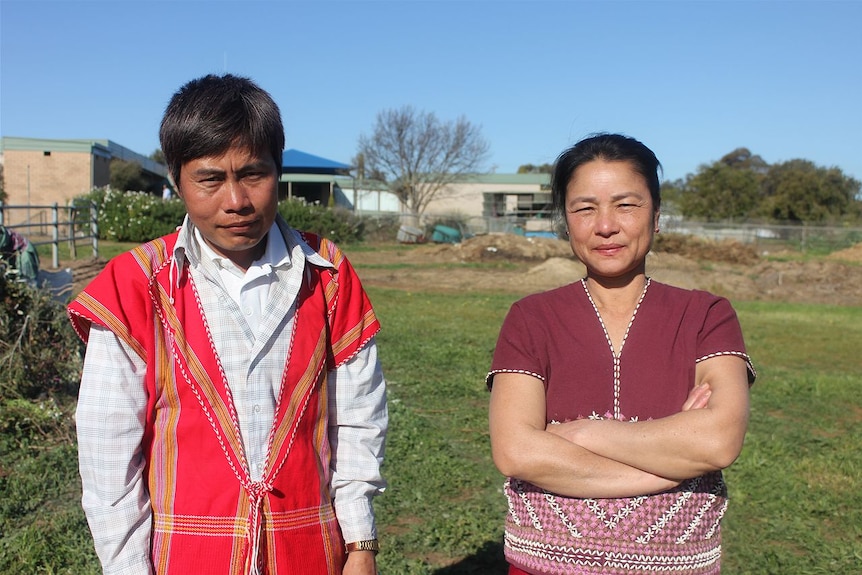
{"x":796,"y":490}
{"x":795,"y":506}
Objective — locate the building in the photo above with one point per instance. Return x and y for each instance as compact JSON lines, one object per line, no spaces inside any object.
{"x":41,"y":172}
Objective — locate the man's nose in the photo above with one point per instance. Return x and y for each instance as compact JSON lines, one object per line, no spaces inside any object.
{"x":237,"y":195}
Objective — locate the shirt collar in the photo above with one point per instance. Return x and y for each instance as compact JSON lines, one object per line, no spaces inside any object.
{"x":277,"y":254}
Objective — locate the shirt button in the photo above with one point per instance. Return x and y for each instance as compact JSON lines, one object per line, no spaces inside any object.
{"x":257,"y":409}
{"x":247,"y":311}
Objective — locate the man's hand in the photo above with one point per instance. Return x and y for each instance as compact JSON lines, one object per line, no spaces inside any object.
{"x":360,"y":563}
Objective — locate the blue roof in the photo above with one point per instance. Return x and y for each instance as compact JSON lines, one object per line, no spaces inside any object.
{"x":294,"y":161}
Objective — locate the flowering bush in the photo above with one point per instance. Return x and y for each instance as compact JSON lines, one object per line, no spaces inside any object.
{"x":140,"y":217}
{"x":135,"y":216}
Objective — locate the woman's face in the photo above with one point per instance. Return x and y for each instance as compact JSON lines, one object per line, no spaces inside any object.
{"x":610,"y":218}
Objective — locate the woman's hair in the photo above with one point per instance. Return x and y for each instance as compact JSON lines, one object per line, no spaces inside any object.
{"x":611,"y":148}
{"x":209,"y":115}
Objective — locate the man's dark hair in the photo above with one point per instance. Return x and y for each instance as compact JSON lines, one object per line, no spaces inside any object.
{"x":209,"y":115}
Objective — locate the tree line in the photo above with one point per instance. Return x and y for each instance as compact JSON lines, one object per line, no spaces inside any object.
{"x":418,"y":155}
{"x":741,"y":186}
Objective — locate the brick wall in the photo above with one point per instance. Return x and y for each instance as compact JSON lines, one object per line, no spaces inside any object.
{"x":53,"y":177}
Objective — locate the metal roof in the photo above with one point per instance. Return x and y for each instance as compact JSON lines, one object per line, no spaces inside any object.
{"x":295,"y":161}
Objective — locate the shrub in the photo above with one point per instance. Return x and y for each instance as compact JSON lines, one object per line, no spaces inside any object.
{"x":381,"y":227}
{"x":40,"y":354}
{"x":40,"y":367}
{"x":135,"y":216}
{"x":140,"y":217}
{"x":337,"y":224}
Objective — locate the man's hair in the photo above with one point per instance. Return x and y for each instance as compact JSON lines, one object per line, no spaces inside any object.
{"x":212,"y":114}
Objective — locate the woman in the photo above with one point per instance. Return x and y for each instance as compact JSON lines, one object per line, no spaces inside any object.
{"x":616,"y":400}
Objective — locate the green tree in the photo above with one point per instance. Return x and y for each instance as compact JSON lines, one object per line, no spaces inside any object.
{"x":127,"y":176}
{"x":2,"y":185}
{"x":743,"y":159}
{"x":540,"y":169}
{"x":720,"y":192}
{"x":420,"y":155}
{"x":800,"y":191}
{"x":159,"y":156}
{"x":671,"y":192}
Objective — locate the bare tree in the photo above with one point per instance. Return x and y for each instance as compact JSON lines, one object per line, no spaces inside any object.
{"x":419,"y":156}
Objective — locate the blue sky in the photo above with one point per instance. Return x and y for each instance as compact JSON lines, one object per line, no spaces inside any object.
{"x":692,"y":80}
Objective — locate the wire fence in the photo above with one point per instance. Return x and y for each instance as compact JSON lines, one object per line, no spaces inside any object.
{"x":52,"y":225}
{"x":772,"y":237}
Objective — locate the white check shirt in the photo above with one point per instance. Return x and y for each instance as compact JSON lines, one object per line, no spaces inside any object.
{"x":112,"y":402}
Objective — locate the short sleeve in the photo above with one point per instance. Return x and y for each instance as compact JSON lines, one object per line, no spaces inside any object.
{"x":722,"y":335}
{"x":516,"y":348}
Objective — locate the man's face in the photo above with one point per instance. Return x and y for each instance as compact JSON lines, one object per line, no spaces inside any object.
{"x":232,"y":200}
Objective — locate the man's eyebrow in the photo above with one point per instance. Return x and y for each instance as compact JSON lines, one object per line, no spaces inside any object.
{"x":261,"y":165}
{"x":200,"y":172}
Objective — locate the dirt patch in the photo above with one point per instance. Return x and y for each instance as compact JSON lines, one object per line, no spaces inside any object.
{"x":851,"y":254}
{"x":527,"y":265}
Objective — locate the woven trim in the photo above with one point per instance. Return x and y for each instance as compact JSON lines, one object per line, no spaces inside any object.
{"x":491,"y":375}
{"x":752,"y":372}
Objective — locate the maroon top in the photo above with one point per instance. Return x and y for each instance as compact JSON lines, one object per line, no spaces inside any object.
{"x":557,"y":337}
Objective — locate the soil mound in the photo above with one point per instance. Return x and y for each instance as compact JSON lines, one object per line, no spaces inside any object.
{"x":502,"y":247}
{"x":851,"y":254}
{"x":729,"y":251}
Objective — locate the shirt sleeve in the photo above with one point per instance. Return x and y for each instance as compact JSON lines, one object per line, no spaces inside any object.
{"x":516,"y":351}
{"x":357,"y":431}
{"x":110,"y":425}
{"x":721,"y":334}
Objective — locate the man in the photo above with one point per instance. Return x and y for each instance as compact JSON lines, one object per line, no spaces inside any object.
{"x":232,"y":410}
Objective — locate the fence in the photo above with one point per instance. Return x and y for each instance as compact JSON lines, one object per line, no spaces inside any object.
{"x":80,"y":224}
{"x":770,"y":237}
{"x":764,"y":237}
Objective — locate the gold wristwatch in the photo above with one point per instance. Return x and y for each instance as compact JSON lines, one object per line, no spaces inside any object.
{"x":368,"y":545}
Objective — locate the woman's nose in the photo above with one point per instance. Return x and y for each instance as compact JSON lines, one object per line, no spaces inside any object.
{"x":606,"y":222}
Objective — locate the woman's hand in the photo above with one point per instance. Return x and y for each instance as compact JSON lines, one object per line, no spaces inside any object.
{"x":706,"y":435}
{"x":698,"y":397}
{"x":522,"y":447}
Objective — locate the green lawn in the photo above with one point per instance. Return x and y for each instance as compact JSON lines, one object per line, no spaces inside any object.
{"x":795,"y":491}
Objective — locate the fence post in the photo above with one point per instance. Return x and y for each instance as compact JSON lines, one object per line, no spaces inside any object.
{"x":55,"y":244}
{"x":94,"y":228}
{"x":72,"y":216}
